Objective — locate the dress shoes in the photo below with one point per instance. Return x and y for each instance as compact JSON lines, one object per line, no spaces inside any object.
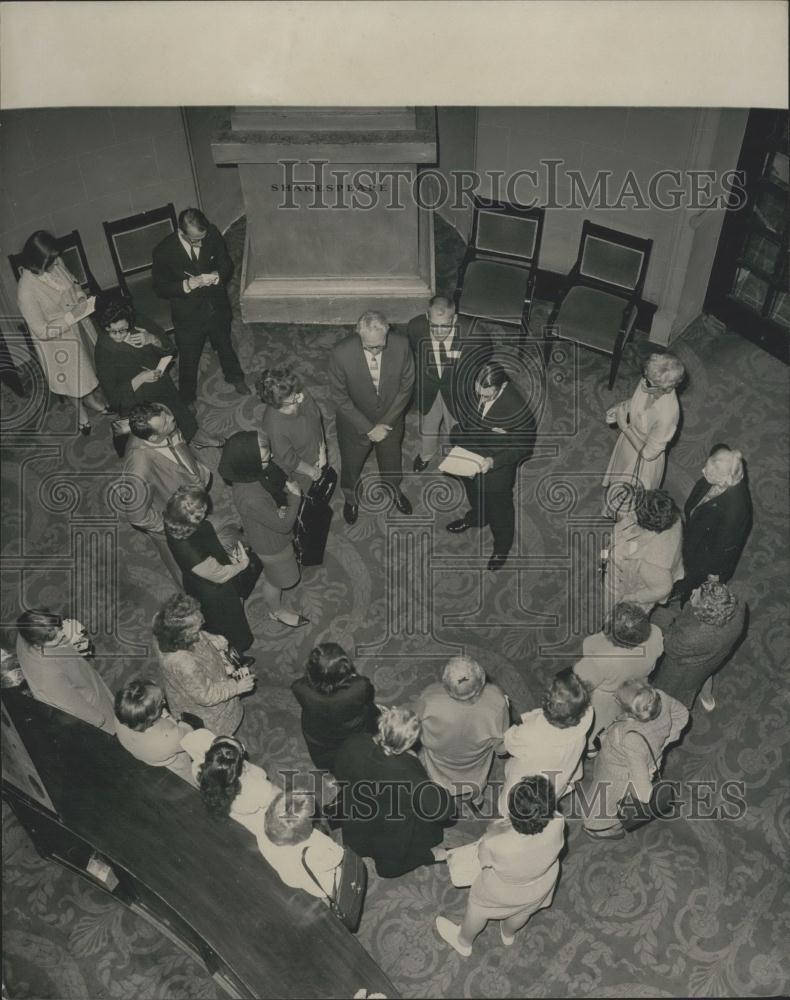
{"x":459,"y":526}
{"x":247,"y":661}
{"x":299,"y":623}
{"x":242,"y":388}
{"x":497,"y":561}
{"x":403,"y":503}
{"x":350,"y":512}
{"x":419,"y":464}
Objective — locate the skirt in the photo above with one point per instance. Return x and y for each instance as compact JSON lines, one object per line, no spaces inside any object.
{"x":281,"y":569}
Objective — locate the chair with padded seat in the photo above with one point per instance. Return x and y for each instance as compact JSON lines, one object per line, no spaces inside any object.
{"x":498,"y":273}
{"x":73,"y":255}
{"x":132,"y":241}
{"x":600,"y":300}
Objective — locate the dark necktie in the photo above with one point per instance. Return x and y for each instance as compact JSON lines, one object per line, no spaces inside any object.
{"x":195,"y":255}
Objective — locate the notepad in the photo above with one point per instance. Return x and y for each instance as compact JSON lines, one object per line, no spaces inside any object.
{"x":164,"y":362}
{"x":460,"y":462}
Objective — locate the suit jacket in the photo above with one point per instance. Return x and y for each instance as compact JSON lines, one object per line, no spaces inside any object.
{"x":153,"y":478}
{"x":715,"y":532}
{"x":476,"y":433}
{"x":466,"y":358}
{"x":353,"y":393}
{"x":172,"y":265}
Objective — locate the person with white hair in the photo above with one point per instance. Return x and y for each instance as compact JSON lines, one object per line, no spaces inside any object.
{"x":371,"y":377}
{"x":463,"y":722}
{"x":388,"y":808}
{"x":718,"y":516}
{"x":631,"y":752}
{"x":647,"y":423}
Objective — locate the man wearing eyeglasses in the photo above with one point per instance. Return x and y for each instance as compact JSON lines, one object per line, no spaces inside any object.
{"x":371,"y":377}
{"x":444,"y":357}
{"x":191,"y":268}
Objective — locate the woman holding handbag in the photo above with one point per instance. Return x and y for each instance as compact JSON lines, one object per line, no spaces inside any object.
{"x":630,"y":758}
{"x":210,"y":574}
{"x":647,"y":423}
{"x":517,"y":866}
{"x":199,"y":674}
{"x":295,"y":429}
{"x":267,"y":502}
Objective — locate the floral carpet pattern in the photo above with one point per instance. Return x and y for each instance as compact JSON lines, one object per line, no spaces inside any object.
{"x":695,"y":907}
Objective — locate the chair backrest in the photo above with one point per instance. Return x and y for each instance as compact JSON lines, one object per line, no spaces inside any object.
{"x":132,"y":240}
{"x":610,"y":258}
{"x":73,"y":255}
{"x":510,"y":231}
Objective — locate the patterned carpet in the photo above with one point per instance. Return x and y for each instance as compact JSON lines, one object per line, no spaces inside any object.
{"x":695,"y":907}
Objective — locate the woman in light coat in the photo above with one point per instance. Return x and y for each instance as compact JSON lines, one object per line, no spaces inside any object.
{"x":631,"y":751}
{"x":56,"y":311}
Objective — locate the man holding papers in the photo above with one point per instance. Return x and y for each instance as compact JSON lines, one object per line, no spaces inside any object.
{"x":191,"y":268}
{"x":497,"y":427}
{"x":443,"y":354}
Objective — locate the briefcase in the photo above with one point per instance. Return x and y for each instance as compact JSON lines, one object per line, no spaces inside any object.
{"x":311,"y":529}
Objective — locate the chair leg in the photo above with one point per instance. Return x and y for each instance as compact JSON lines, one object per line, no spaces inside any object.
{"x":616,"y":355}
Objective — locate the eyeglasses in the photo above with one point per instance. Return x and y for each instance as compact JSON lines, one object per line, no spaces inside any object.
{"x":649,"y":384}
{"x":123,"y":331}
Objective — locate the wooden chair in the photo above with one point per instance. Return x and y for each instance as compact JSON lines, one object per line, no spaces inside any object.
{"x":599,"y":302}
{"x":497,"y":275}
{"x":73,"y":255}
{"x":131,"y":242}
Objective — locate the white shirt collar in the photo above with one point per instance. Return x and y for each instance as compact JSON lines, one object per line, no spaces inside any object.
{"x":188,"y":246}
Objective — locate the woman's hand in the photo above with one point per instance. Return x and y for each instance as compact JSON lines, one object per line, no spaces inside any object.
{"x":137,"y":338}
{"x":621,"y":416}
{"x":240,"y":556}
{"x":146,"y":376}
{"x":282,"y":513}
{"x":245,"y":684}
{"x":294,"y":487}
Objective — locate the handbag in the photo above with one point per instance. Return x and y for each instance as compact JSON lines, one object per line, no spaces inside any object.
{"x":633,"y":814}
{"x":311,"y":528}
{"x":245,"y":581}
{"x":348,"y":892}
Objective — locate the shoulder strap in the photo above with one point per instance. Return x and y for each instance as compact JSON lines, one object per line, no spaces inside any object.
{"x":643,"y":737}
{"x":312,"y":876}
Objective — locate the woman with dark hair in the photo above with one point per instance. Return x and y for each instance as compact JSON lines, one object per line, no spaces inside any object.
{"x":519,"y":866}
{"x":57,"y":311}
{"x":267,"y":502}
{"x":229,"y":784}
{"x":626,"y":649}
{"x":336,"y":702}
{"x":198,"y":677}
{"x":550,"y":740}
{"x":495,"y":423}
{"x":51,"y":651}
{"x":293,"y":424}
{"x":128,"y":362}
{"x":389,"y":810}
{"x":647,"y":423}
{"x":645,"y":558}
{"x":146,"y":729}
{"x":207,"y":569}
{"x":718,"y":521}
{"x":631,"y":750}
{"x":463,"y":719}
{"x":699,"y":641}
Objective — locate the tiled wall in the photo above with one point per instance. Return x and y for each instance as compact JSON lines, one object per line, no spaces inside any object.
{"x":62,"y":169}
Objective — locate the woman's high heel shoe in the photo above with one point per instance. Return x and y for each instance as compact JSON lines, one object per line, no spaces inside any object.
{"x":300,"y":620}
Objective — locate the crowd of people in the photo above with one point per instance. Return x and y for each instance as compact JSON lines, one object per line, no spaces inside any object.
{"x":402,"y":773}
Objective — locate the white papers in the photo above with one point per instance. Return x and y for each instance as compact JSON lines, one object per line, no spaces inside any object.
{"x":84,"y":308}
{"x":460,"y":462}
{"x":164,"y":362}
{"x":463,"y":864}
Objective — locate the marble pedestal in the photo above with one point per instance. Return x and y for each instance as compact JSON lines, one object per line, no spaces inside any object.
{"x":333,"y":225}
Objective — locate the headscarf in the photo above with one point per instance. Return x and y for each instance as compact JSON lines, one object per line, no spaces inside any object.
{"x":241,"y":463}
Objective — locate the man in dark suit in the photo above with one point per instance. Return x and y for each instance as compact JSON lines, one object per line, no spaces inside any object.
{"x":495,"y":422}
{"x":191,"y":268}
{"x":443,"y":354}
{"x":371,"y":377}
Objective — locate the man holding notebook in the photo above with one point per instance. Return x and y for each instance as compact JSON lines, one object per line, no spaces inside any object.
{"x":497,"y":427}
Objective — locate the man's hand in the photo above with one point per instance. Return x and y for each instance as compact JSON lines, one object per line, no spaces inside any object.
{"x":195,"y":281}
{"x":240,"y":556}
{"x":379,"y":432}
{"x":212,"y":278}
